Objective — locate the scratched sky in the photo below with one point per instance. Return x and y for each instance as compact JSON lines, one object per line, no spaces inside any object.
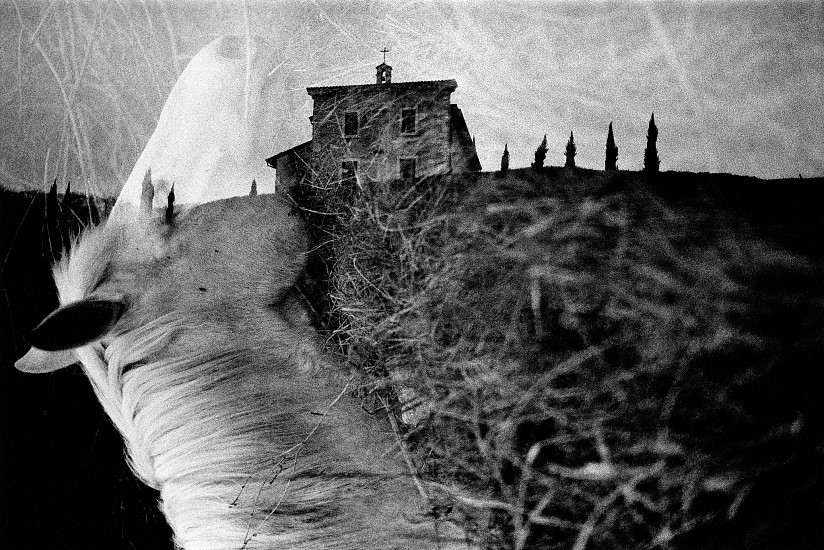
{"x":736,"y":87}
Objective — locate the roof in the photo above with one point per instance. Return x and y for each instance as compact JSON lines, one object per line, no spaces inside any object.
{"x":272,"y":161}
{"x":451,"y":84}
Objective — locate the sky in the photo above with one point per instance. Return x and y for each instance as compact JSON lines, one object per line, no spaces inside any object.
{"x":736,"y":87}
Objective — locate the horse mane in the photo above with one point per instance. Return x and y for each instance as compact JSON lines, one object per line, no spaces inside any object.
{"x":241,"y":430}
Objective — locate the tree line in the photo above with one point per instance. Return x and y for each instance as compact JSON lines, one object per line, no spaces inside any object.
{"x":651,"y":160}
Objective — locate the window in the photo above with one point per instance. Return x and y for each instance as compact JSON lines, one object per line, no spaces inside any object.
{"x":408,"y":168}
{"x":349,"y":171}
{"x":408,"y":121}
{"x":350,"y":123}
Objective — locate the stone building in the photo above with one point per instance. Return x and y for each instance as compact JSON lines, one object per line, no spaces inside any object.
{"x":381,"y":132}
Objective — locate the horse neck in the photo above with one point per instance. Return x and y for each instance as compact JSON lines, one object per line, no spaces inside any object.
{"x":248,"y":452}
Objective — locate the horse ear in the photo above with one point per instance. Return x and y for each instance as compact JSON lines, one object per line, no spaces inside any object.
{"x":39,"y":361}
{"x":76,"y":324}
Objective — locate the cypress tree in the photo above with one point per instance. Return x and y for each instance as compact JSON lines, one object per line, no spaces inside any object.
{"x":611,"y":162}
{"x":540,"y":154}
{"x":570,"y":152}
{"x":253,"y":191}
{"x":170,"y":205}
{"x":651,"y":160}
{"x":505,"y":159}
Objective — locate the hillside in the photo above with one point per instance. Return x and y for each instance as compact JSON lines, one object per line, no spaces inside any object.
{"x":599,"y":360}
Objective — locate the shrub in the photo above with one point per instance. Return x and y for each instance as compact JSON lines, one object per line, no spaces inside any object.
{"x":593,"y":361}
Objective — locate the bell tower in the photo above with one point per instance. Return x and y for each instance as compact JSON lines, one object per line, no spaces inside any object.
{"x":384,"y":74}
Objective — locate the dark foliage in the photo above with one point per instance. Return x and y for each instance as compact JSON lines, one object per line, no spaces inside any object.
{"x":570,"y":152}
{"x":651,"y":160}
{"x":540,"y":154}
{"x":611,"y":160}
{"x":603,"y":361}
{"x":505,"y":159}
{"x":170,"y":205}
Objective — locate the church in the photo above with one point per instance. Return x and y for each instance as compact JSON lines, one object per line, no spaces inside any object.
{"x":382,"y":132}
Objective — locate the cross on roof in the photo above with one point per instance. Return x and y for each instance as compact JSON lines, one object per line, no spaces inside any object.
{"x":384,"y":51}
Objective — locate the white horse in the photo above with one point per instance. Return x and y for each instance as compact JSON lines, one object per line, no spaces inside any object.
{"x":186,"y":321}
{"x":200,"y":353}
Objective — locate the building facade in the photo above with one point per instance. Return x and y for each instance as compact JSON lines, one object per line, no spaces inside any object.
{"x":380,"y":132}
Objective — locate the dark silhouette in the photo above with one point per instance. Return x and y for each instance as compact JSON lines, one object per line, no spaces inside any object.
{"x":540,"y":154}
{"x":505,"y":160}
{"x":570,"y":152}
{"x":651,"y":161}
{"x":66,"y":195}
{"x":52,"y":196}
{"x":253,"y":191}
{"x":170,"y":206}
{"x":56,"y":236}
{"x":611,"y":162}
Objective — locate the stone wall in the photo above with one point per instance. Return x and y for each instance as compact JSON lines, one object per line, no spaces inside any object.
{"x":379,"y":143}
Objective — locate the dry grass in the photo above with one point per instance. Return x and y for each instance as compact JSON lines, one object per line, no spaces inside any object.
{"x":598,"y":368}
